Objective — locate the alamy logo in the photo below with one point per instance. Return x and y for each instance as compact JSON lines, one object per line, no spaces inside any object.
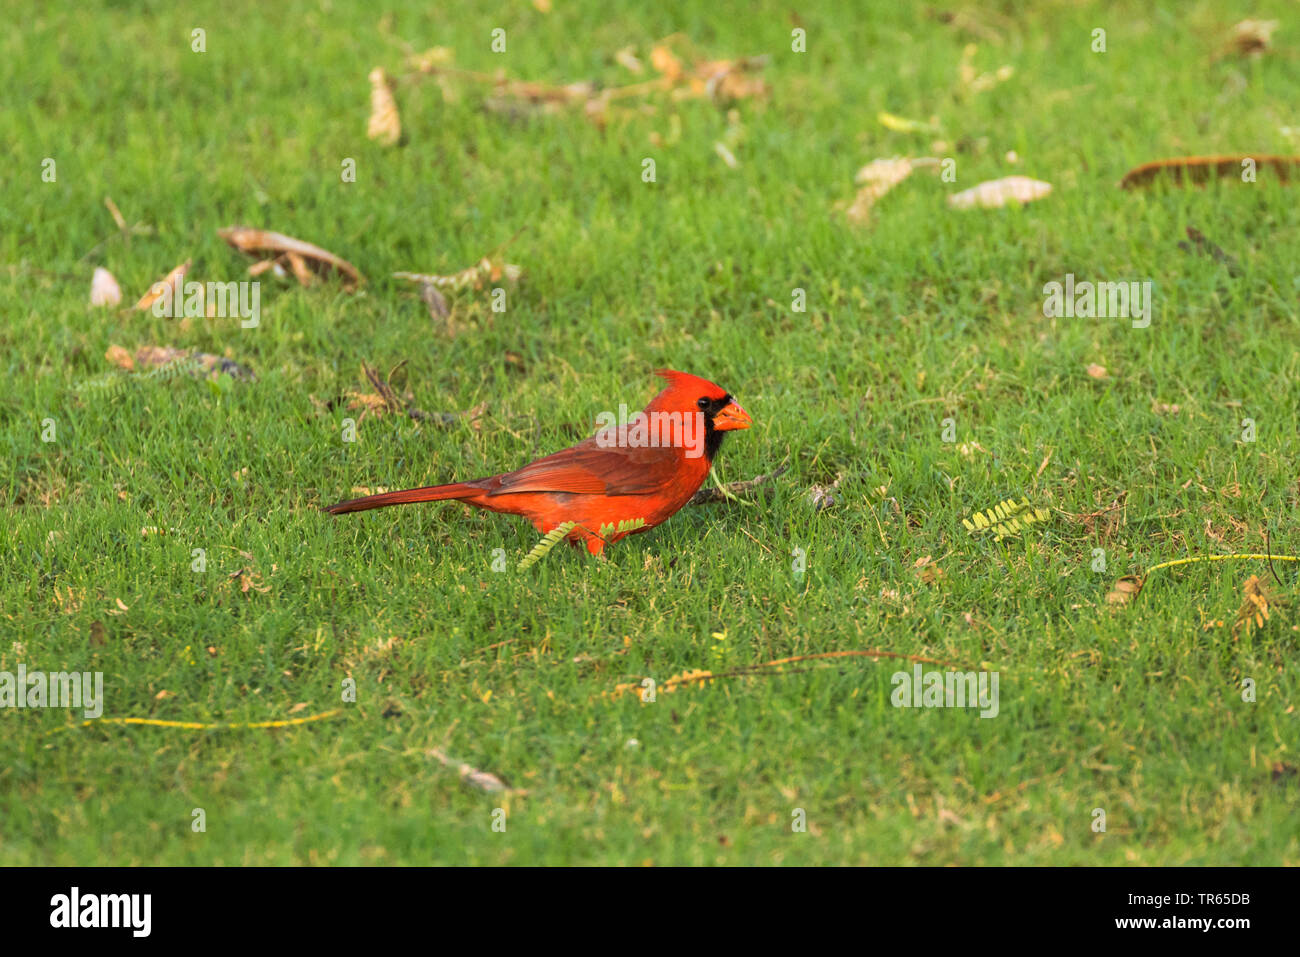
{"x":946,"y":689}
{"x":103,"y":910}
{"x":1101,"y":300}
{"x":217,"y":300}
{"x":656,"y":430}
{"x":53,"y":689}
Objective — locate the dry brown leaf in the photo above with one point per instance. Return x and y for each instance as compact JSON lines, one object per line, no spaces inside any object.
{"x":1096,"y":371}
{"x":385,"y":126}
{"x":480,"y":780}
{"x":721,"y":80}
{"x":1000,"y":192}
{"x":1126,"y":589}
{"x":927,"y":570}
{"x":877,"y":178}
{"x":255,"y":242}
{"x":727,"y":80}
{"x":473,"y":277}
{"x":665,"y":62}
{"x":1254,"y":610}
{"x":104,"y":290}
{"x":1253,"y":37}
{"x":435,"y":301}
{"x":182,"y":360}
{"x":116,"y":213}
{"x":300,"y":270}
{"x":173,"y":279}
{"x":120,"y":357}
{"x":627,"y":59}
{"x":1202,"y":169}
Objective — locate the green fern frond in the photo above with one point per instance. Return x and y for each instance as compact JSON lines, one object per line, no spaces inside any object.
{"x":549,"y":541}
{"x":1006,"y":519}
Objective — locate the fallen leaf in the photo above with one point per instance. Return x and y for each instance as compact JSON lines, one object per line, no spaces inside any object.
{"x":300,"y":270}
{"x":627,"y":59}
{"x":385,"y":126}
{"x":258,"y":268}
{"x":120,"y":357}
{"x":435,"y":301}
{"x":116,"y":213}
{"x":823,"y":496}
{"x":164,"y":694}
{"x":1126,"y":589}
{"x":104,"y":290}
{"x":480,"y":780}
{"x":1254,"y":610}
{"x":1096,"y":371}
{"x":927,"y":570}
{"x":663,"y":60}
{"x":1000,"y":192}
{"x":173,"y":279}
{"x":877,"y":178}
{"x":163,"y":359}
{"x":261,"y":241}
{"x":474,"y":277}
{"x":1202,"y":169}
{"x":1253,"y":37}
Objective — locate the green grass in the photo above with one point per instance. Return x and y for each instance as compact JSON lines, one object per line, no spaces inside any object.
{"x":926,"y":314}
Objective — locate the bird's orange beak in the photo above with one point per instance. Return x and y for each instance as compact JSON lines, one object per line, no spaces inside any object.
{"x":731,"y":416}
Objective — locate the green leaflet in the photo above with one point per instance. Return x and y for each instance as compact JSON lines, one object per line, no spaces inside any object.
{"x":556,"y":535}
{"x":627,"y":525}
{"x":1006,"y":519}
{"x":549,"y":541}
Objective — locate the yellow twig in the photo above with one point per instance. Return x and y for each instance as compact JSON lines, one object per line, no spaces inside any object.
{"x":199,"y":726}
{"x":1217,"y":558}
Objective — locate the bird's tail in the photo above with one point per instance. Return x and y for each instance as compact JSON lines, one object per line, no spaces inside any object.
{"x":430,"y":493}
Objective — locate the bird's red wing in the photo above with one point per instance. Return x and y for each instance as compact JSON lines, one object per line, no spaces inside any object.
{"x":594,"y":469}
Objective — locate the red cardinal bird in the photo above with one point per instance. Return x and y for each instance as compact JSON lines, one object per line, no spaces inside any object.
{"x":647,"y":468}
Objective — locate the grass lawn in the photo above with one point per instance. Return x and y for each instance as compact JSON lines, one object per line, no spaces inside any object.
{"x":923,"y":314}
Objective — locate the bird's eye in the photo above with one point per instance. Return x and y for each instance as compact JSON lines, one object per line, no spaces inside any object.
{"x":703,"y":402}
